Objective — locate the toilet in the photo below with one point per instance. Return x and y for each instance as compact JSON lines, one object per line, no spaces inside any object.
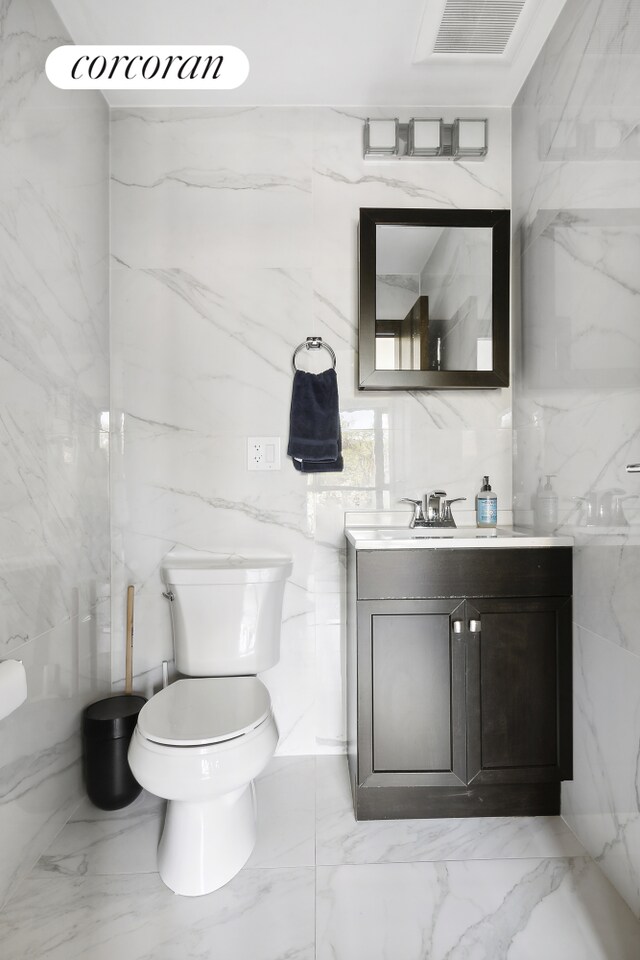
{"x":201,"y":741}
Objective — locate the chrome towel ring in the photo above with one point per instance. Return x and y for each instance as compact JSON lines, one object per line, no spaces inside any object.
{"x":313,"y":343}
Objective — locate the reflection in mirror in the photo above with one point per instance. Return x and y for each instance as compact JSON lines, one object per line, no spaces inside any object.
{"x":433,"y":298}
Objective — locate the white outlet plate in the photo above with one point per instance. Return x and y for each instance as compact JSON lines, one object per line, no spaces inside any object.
{"x":263,"y":453}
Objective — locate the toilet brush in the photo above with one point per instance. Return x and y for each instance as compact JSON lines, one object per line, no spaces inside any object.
{"x":128,"y":676}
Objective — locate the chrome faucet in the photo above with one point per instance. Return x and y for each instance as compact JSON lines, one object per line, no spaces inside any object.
{"x":605,"y":509}
{"x":436,"y":507}
{"x":433,"y":505}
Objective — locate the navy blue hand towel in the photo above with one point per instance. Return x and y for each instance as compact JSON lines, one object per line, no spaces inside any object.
{"x":315,"y":441}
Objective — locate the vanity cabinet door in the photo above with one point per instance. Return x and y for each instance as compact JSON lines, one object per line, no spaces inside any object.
{"x":519,"y":690}
{"x":411,"y":693}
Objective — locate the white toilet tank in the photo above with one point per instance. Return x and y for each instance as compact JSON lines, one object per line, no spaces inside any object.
{"x":226,"y":611}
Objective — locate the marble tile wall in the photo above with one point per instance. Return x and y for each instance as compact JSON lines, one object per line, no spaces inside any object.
{"x":54,"y":385}
{"x":576,"y":199}
{"x":234,"y":237}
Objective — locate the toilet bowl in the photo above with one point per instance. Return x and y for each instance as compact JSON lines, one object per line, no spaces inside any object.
{"x":201,"y":741}
{"x":199,"y":744}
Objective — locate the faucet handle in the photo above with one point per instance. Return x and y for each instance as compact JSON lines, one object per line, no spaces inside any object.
{"x":617,"y":512}
{"x":418,"y":516}
{"x":592,"y":506}
{"x":447,"y":516}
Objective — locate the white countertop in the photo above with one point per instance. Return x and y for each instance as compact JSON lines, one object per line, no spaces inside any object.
{"x":385,"y":536}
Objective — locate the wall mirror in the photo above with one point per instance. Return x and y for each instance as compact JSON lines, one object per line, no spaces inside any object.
{"x":434,"y":299}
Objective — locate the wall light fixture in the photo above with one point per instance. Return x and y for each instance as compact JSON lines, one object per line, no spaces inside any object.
{"x":381,"y":138}
{"x":469,"y":138}
{"x":425,"y":138}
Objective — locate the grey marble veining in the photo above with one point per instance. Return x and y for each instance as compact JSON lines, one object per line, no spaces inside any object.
{"x":607,"y":570}
{"x":54,"y":429}
{"x":264,"y":914}
{"x":508,"y":909}
{"x":601,"y":804}
{"x":576,"y":197}
{"x":446,"y":890}
{"x":108,"y":843}
{"x":216,"y":279}
{"x":40,"y":744}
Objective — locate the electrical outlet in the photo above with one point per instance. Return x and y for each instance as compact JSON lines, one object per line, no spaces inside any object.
{"x":263,"y":453}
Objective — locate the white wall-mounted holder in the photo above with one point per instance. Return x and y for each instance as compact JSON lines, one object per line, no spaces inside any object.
{"x":425,"y":138}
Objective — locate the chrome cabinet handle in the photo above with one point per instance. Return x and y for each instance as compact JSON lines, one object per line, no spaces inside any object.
{"x":457,"y":626}
{"x":633,"y":468}
{"x":474,"y":626}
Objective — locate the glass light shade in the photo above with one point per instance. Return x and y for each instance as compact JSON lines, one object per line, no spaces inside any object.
{"x":381,"y":138}
{"x":425,"y":138}
{"x":469,"y":138}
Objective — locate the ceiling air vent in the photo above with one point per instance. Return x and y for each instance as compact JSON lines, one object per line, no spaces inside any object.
{"x":477,"y":26}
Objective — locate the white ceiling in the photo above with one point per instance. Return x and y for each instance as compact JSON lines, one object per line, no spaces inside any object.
{"x":339,"y":52}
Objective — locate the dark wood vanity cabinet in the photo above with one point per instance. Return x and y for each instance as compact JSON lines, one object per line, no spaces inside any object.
{"x":459,"y":704}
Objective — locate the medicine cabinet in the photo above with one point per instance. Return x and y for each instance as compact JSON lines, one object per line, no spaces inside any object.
{"x":434,"y":299}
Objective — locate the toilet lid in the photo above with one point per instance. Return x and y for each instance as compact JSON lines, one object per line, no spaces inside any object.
{"x":205,"y":710}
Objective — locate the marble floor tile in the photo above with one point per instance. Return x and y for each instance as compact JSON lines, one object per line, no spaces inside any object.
{"x":106,"y":842}
{"x":110,"y":842}
{"x":559,"y":909}
{"x":260,"y":914}
{"x":286,"y":814}
{"x":341,"y":839}
{"x":493,"y":889}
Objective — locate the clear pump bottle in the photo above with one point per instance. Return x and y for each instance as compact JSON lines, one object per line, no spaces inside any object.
{"x":486,"y":506}
{"x":547,"y":508}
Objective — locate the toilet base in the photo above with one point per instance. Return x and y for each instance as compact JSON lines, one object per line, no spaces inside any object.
{"x":204,"y":845}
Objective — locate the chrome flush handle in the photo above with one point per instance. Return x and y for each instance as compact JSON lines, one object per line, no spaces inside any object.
{"x":169,"y":595}
{"x":633,"y":468}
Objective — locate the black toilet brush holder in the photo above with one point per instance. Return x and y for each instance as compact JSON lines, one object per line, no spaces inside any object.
{"x":107,"y":728}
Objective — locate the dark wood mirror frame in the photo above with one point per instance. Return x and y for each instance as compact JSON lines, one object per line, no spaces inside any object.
{"x":498,"y":376}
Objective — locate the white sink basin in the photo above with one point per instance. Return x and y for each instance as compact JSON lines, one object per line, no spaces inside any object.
{"x":431,"y":533}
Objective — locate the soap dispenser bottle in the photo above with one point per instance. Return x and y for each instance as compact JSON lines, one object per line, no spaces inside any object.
{"x":486,"y":506}
{"x":547,"y":508}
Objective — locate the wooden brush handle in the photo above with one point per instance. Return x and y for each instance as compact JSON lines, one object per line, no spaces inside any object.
{"x":128,"y":676}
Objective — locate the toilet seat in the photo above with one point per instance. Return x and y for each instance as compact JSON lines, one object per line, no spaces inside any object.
{"x":204,"y":710}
